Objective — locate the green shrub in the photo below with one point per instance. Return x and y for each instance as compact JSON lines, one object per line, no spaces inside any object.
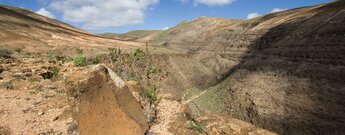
{"x":150,"y":93}
{"x":80,"y":61}
{"x":5,"y":53}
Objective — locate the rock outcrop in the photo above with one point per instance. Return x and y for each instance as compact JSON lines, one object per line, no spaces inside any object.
{"x":102,"y":104}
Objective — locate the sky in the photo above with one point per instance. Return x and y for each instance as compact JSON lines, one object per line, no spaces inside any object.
{"x":120,"y":16}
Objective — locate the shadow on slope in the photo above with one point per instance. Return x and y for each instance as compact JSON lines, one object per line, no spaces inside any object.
{"x":291,"y":80}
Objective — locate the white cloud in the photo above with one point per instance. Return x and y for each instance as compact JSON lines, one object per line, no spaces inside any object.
{"x":45,"y":12}
{"x":277,"y":10}
{"x":210,"y":2}
{"x":98,"y":14}
{"x":166,"y":28}
{"x":253,"y":15}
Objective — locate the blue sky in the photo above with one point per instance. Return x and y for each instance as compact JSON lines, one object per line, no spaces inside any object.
{"x":119,"y":16}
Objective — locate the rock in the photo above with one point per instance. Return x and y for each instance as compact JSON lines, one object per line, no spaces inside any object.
{"x":40,"y":113}
{"x":27,"y":72}
{"x":102,"y":103}
{"x":4,"y":130}
{"x":2,"y":69}
{"x":72,"y":128}
{"x":6,"y":84}
{"x":52,"y":87}
{"x":47,"y":74}
{"x":35,"y":78}
{"x":18,"y":75}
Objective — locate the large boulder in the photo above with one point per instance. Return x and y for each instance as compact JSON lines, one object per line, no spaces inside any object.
{"x":102,"y":104}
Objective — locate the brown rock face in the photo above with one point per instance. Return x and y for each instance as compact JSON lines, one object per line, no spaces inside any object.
{"x":102,"y":104}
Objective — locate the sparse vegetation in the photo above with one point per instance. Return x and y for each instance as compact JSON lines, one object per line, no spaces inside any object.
{"x":33,"y":92}
{"x":197,"y":127}
{"x":138,"y":66}
{"x":19,"y":50}
{"x":5,"y":53}
{"x":51,"y":56}
{"x":61,"y":91}
{"x":152,"y":70}
{"x":138,"y":53}
{"x":133,"y":78}
{"x":55,"y":71}
{"x":150,"y":93}
{"x":94,"y":60}
{"x":79,"y":51}
{"x":54,"y":57}
{"x":49,"y":95}
{"x":28,"y":54}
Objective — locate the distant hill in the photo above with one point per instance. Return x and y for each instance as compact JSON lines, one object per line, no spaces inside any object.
{"x":131,"y":35}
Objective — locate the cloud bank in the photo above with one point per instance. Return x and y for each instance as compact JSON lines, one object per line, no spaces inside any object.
{"x":210,"y":2}
{"x":100,"y":14}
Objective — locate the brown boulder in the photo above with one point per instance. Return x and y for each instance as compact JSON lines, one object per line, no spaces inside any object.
{"x":102,"y":104}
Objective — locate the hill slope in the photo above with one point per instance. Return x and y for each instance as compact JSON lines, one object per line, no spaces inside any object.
{"x":24,"y":29}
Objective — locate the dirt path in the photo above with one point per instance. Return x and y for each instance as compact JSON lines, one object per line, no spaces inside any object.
{"x":194,"y":97}
{"x":167,"y":112}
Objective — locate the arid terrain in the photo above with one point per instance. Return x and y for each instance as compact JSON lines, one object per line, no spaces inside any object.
{"x":281,"y":73}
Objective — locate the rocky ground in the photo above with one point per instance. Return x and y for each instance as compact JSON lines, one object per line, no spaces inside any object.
{"x":41,"y":96}
{"x":32,"y":96}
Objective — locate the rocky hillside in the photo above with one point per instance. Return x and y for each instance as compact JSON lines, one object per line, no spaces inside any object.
{"x":282,"y":71}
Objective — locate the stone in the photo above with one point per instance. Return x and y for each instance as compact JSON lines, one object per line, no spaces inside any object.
{"x":18,"y":75}
{"x":47,"y":74}
{"x":52,"y":87}
{"x":102,"y":103}
{"x":2,"y":69}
